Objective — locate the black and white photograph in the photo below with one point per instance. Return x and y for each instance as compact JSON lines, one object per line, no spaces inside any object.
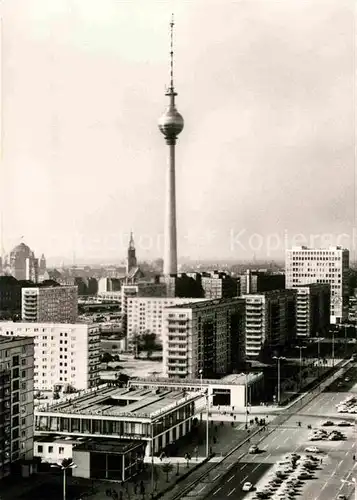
{"x":178,"y":250}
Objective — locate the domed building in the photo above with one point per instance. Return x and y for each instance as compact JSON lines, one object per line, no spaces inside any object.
{"x":22,"y":263}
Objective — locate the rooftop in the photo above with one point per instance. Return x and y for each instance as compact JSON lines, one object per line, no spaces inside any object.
{"x":270,"y":293}
{"x":120,"y":402}
{"x":313,"y":285}
{"x":207,"y":302}
{"x":108,"y":446}
{"x":233,"y":379}
{"x":7,"y":340}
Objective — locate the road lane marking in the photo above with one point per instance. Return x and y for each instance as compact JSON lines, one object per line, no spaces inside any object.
{"x":215,"y":477}
{"x":245,"y":465}
{"x":243,"y":480}
{"x":215,"y":493}
{"x":230,"y":479}
{"x":231,"y":492}
{"x":255,"y":468}
{"x":203,"y":487}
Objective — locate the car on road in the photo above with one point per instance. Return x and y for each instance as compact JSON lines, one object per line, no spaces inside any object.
{"x":304,"y":475}
{"x":327,"y":423}
{"x":312,"y":449}
{"x":344,"y":424}
{"x":342,"y":497}
{"x":247,"y":486}
{"x":253,"y":449}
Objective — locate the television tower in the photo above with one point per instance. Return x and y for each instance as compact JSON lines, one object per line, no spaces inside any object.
{"x":171,"y":124}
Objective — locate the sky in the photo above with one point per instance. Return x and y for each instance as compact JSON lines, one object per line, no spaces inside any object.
{"x":266,"y":158}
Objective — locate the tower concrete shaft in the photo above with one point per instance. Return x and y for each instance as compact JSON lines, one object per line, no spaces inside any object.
{"x":170,"y":230}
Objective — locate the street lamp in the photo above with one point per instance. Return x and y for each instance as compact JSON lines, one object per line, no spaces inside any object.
{"x":300,"y":347}
{"x":207,"y":410}
{"x":246,"y":400}
{"x":333,"y":348}
{"x":152,"y":454}
{"x":279,"y":358}
{"x":65,"y":465}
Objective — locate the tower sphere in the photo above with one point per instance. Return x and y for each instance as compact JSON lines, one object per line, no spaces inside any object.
{"x":171,"y":123}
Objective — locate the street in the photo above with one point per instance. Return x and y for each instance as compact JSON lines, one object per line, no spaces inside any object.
{"x":227,"y":479}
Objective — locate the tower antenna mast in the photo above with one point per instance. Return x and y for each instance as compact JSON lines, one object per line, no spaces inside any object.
{"x":172,"y":25}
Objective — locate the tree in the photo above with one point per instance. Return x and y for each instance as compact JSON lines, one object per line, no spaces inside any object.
{"x":148,"y":343}
{"x":106,"y":357}
{"x":167,"y":468}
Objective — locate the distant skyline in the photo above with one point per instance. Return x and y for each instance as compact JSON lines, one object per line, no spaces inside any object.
{"x":268,"y":151}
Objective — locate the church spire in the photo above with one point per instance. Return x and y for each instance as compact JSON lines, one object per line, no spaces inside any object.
{"x":131,"y":260}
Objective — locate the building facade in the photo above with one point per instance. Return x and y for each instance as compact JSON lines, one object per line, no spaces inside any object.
{"x":312,"y":310}
{"x":55,"y":304}
{"x":203,"y":338}
{"x":139,"y":290}
{"x":260,"y":281}
{"x":22,"y":264}
{"x":270,"y":320}
{"x":16,"y":402}
{"x":144,"y":314}
{"x":65,"y":354}
{"x":108,"y":285}
{"x":157,"y":418}
{"x":321,"y":265}
{"x":217,"y":285}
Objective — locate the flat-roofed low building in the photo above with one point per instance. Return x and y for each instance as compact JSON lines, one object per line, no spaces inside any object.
{"x":204,"y":337}
{"x":234,"y":391}
{"x":151,"y":416}
{"x":95,"y":458}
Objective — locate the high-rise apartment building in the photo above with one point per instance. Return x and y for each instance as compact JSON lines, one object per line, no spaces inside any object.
{"x":260,"y":281}
{"x":218,"y":285}
{"x":16,"y":402}
{"x":203,"y":338}
{"x":55,"y":304}
{"x":270,"y":320}
{"x":65,"y":354}
{"x":183,"y":285}
{"x":144,"y":314}
{"x":144,"y":289}
{"x":321,"y":265}
{"x":312,"y":310}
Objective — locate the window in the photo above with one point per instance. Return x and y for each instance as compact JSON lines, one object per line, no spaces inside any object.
{"x":61,"y":450}
{"x":50,"y":449}
{"x":39,"y":448}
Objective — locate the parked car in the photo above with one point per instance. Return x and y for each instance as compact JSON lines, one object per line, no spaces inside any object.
{"x":247,"y":486}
